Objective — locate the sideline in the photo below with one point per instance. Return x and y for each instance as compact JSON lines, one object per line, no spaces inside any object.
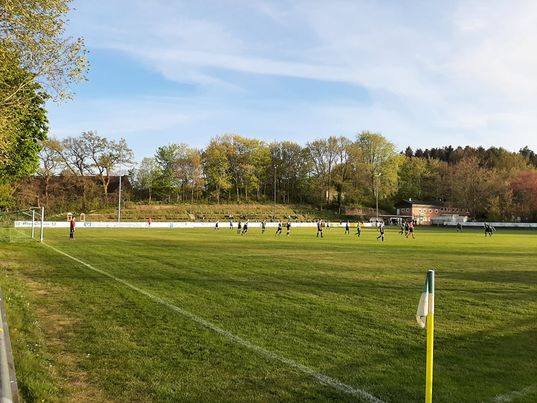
{"x":321,"y":378}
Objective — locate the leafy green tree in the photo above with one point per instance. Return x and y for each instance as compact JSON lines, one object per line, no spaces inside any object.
{"x":19,"y":153}
{"x":411,"y":175}
{"x":32,"y":37}
{"x":145,"y":177}
{"x":217,"y":169}
{"x":288,"y":172}
{"x":376,"y":164}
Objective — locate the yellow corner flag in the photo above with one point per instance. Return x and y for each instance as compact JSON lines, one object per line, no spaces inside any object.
{"x":425,"y":318}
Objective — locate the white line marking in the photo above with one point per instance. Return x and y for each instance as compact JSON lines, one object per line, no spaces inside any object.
{"x":324,"y":379}
{"x":508,"y":397}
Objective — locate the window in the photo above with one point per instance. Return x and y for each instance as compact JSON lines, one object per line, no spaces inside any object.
{"x":430,"y":210}
{"x":436,"y":211}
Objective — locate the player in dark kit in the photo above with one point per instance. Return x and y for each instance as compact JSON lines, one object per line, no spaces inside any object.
{"x":239,"y":227}
{"x":216,"y":226}
{"x":358,"y":230}
{"x":347,"y":228}
{"x":489,"y":229}
{"x":410,"y":230}
{"x":244,"y":228}
{"x":72,"y":227}
{"x":263,"y":226}
{"x":459,"y":227}
{"x":288,"y":228}
{"x":319,"y":228}
{"x":279,"y":230}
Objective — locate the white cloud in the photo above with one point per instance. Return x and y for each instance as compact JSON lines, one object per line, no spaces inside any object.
{"x":465,"y":70}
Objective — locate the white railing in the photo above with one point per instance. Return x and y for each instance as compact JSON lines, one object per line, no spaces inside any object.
{"x":178,"y":224}
{"x":8,"y":382}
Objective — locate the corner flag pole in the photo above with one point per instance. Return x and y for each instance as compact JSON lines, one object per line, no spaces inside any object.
{"x":430,"y":339}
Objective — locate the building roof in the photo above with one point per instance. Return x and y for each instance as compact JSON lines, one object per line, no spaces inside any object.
{"x":438,"y":203}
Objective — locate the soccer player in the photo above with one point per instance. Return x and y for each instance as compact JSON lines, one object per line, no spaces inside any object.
{"x":320,"y":228}
{"x":72,"y":227}
{"x":231,"y":225}
{"x":459,"y":227}
{"x":347,"y":228}
{"x":149,"y":221}
{"x":216,"y":225}
{"x":239,"y":227}
{"x":358,"y":229}
{"x":402,"y":229}
{"x":381,"y":230}
{"x":244,"y":228}
{"x":279,"y":230}
{"x":489,"y":229}
{"x":288,"y":227}
{"x":411,"y":230}
{"x":263,"y":226}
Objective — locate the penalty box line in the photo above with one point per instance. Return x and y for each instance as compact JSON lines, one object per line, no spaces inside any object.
{"x":321,"y":378}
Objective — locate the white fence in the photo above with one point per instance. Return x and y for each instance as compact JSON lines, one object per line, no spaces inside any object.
{"x":523,"y":225}
{"x":221,"y":224}
{"x":225,"y":225}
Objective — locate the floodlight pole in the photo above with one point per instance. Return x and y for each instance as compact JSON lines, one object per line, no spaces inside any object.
{"x":377,"y":196}
{"x":119,"y":202}
{"x":275,"y":184}
{"x":274,"y":205}
{"x":42,"y":235}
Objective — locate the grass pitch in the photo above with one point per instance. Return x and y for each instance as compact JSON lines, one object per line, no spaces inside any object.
{"x":342,"y":306}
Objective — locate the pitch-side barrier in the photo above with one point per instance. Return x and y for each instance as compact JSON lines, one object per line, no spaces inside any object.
{"x":222,"y":224}
{"x":225,"y":224}
{"x":8,"y":382}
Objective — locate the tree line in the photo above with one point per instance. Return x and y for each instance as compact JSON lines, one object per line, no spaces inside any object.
{"x":333,"y":172}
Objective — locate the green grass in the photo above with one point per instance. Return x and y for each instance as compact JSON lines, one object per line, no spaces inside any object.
{"x":343,"y":306}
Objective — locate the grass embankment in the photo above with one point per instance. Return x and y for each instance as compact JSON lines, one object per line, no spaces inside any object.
{"x":212,"y":212}
{"x":342,"y":305}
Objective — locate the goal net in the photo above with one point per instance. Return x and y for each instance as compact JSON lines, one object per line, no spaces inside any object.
{"x":21,"y":225}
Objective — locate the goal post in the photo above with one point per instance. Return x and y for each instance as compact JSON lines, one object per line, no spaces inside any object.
{"x":23,"y":224}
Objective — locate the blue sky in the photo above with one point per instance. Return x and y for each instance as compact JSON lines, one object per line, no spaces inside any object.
{"x":421,"y":73}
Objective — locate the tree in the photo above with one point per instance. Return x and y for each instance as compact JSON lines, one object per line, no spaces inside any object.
{"x":325,"y":154}
{"x":32,"y":36}
{"x":375,"y":159}
{"x":36,"y":61}
{"x":75,"y":156}
{"x":146,"y":176}
{"x":50,"y":162}
{"x":411,"y":175}
{"x":105,"y":156}
{"x":289,"y":168}
{"x":524,"y":188}
{"x":216,"y":167}
{"x":21,"y":139}
{"x":529,"y":155}
{"x":167,"y":159}
{"x":483,"y":191}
